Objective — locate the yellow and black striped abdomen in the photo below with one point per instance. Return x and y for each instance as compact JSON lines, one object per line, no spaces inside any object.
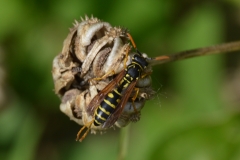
{"x":107,"y":106}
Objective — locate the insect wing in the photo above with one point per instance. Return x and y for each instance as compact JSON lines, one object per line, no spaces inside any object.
{"x":114,"y":116}
{"x":95,"y":102}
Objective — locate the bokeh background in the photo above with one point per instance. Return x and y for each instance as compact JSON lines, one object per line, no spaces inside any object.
{"x":195,"y":114}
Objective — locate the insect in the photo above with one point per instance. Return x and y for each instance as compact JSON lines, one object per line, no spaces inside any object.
{"x":107,"y":106}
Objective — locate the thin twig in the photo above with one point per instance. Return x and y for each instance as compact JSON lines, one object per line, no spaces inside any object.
{"x":222,"y":48}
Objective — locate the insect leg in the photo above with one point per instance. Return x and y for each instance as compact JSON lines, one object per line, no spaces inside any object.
{"x":88,"y":126}
{"x":110,"y":73}
{"x":146,"y":74}
{"x":134,"y":98}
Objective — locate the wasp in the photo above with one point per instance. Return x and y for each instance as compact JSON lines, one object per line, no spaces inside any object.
{"x":107,"y":106}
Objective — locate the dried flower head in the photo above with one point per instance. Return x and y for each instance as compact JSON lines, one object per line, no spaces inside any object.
{"x":93,"y":54}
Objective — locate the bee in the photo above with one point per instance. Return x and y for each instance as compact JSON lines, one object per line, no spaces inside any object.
{"x":107,"y":106}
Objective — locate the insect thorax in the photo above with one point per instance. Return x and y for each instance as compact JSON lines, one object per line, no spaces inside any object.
{"x":140,"y":60}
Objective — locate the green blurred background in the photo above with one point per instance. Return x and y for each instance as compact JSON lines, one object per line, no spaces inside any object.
{"x":194,"y":116}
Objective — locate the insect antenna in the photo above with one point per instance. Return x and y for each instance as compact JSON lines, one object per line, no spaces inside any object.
{"x":133,"y":43}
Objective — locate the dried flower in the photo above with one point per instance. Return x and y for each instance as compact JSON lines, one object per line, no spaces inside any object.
{"x":93,"y":53}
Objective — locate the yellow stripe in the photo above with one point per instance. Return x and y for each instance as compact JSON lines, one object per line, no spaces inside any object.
{"x":117,"y":92}
{"x":97,"y":122}
{"x":126,"y":85}
{"x":127,"y":79}
{"x":137,"y":64}
{"x":104,"y":110}
{"x":101,"y":117}
{"x":118,"y":100}
{"x":110,"y":95}
{"x":110,"y":104}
